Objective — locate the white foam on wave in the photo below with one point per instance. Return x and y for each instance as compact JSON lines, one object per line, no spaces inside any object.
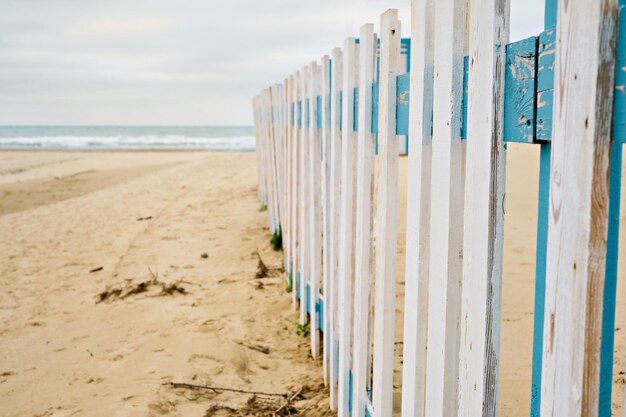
{"x":235,"y":143}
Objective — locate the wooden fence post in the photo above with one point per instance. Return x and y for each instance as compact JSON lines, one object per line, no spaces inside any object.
{"x":315,"y":207}
{"x":305,"y":249}
{"x":287,"y":129}
{"x":418,"y":209}
{"x":346,"y":222}
{"x":335,"y":200}
{"x":387,"y":216}
{"x":484,"y":210}
{"x":364,"y":210}
{"x":295,"y":190}
{"x":326,"y":178}
{"x":446,"y":211}
{"x":578,"y":217}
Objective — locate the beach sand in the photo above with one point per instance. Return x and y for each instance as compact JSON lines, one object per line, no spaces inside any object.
{"x":63,"y":353}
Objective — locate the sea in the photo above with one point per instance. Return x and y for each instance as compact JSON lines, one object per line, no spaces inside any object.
{"x":214,"y":138}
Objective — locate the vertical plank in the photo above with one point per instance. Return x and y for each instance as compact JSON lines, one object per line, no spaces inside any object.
{"x":446,"y":250}
{"x":305,"y":263}
{"x":542,"y":234}
{"x":287,"y":129}
{"x":295,"y":191}
{"x":346,"y":223}
{"x":364,"y":222}
{"x":387,"y":216}
{"x":484,"y":210}
{"x":274,"y":94}
{"x":607,"y":355}
{"x":578,"y":217}
{"x":335,"y":200}
{"x":314,"y":206}
{"x":610,"y":286}
{"x":418,"y":209}
{"x":326,"y":178}
{"x":267,"y":116}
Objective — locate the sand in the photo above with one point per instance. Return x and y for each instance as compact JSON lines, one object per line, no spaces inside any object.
{"x":64,"y":214}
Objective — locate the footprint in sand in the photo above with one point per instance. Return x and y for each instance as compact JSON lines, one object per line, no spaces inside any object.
{"x":94,"y":380}
{"x":208,"y":326}
{"x":206,"y":363}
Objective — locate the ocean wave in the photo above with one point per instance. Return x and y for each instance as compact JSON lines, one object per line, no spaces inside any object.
{"x":235,"y":143}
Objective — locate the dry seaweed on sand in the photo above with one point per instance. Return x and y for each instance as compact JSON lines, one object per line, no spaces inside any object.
{"x":153,"y":286}
{"x":304,"y":401}
{"x":261,"y":269}
{"x":264,"y":271}
{"x":255,"y":407}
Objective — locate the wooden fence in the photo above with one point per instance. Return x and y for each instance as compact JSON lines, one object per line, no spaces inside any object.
{"x":328,"y":140}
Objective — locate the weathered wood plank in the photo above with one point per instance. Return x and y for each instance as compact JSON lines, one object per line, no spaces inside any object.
{"x":364,"y":221}
{"x":619,"y":110}
{"x":326,"y":213}
{"x":387,"y":216}
{"x":335,"y":199}
{"x":314,"y":205}
{"x":578,"y":217}
{"x":484,"y":210}
{"x":346,"y":223}
{"x":545,"y":84}
{"x":519,"y":94}
{"x":446,"y":251}
{"x":305,"y":249}
{"x":295,"y":190}
{"x":418,"y":209}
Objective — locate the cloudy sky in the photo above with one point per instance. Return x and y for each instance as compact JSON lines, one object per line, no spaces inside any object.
{"x":167,"y":62}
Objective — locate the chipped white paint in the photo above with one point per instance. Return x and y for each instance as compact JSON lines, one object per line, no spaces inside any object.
{"x":387,"y":217}
{"x":446,"y":254}
{"x":364,"y":223}
{"x":314,"y":206}
{"x":326,"y":178}
{"x":418,"y":209}
{"x":305,"y":249}
{"x":346,"y":223}
{"x":334,"y":201}
{"x":295,"y":192}
{"x":484,"y":210}
{"x":578,"y":213}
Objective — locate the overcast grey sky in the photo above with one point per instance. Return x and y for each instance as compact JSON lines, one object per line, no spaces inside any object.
{"x":166,"y":62}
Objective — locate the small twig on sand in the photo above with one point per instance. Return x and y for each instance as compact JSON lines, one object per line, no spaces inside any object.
{"x":258,"y":348}
{"x":288,"y":402}
{"x":222,"y":389}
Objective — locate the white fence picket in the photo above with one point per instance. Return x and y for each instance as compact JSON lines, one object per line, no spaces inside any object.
{"x":305,"y":249}
{"x":314,"y":206}
{"x":446,"y":212}
{"x":418,"y":209}
{"x":287,"y":129}
{"x":335,"y":200}
{"x":295,"y":191}
{"x":364,"y":221}
{"x":326,"y":178}
{"x":484,"y":210}
{"x":386,"y":216}
{"x":578,"y":216}
{"x":346,"y":222}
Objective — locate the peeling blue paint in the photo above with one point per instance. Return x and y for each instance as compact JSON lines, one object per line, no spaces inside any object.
{"x":545,"y":84}
{"x":464,"y":104}
{"x":355,"y":109}
{"x":402,"y":104}
{"x":519,"y":92}
{"x":318,"y":110}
